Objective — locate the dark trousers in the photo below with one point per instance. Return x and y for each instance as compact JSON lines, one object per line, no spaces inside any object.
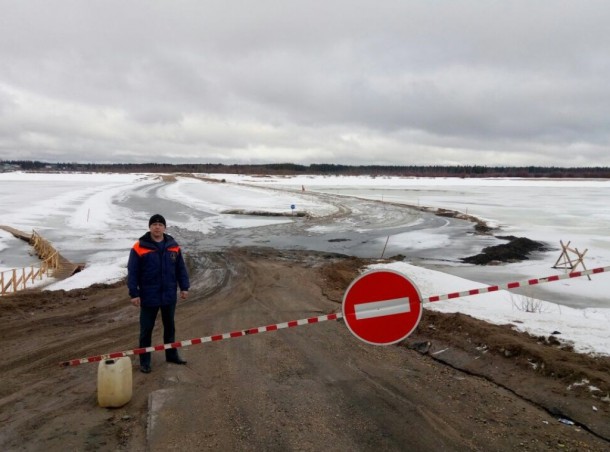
{"x":148,"y":315}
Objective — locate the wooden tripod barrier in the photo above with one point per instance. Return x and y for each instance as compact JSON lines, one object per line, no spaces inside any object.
{"x":567,"y":262}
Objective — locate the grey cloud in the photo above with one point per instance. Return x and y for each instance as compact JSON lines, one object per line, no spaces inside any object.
{"x":466,"y":82}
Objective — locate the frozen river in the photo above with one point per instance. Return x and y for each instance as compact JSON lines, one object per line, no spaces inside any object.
{"x":95,"y":219}
{"x":548,"y":211}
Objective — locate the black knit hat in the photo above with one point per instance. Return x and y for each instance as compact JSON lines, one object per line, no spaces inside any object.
{"x":156,"y":218}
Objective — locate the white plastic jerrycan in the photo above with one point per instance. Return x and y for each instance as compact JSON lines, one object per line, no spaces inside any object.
{"x":114,"y":382}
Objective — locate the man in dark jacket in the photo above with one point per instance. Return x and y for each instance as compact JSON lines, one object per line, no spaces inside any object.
{"x":155,"y":271}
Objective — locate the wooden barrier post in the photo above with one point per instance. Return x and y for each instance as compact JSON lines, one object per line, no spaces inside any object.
{"x":567,"y":262}
{"x":52,"y":263}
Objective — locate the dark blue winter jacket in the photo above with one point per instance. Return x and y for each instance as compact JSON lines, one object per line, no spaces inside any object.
{"x":155,"y":271}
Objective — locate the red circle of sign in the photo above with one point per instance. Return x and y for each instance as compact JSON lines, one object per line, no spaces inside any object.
{"x":380,"y":286}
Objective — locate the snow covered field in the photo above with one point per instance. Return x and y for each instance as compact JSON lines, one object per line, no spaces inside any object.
{"x":95,"y":218}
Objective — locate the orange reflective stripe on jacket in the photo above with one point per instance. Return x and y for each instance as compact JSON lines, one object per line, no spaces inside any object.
{"x":140,"y":250}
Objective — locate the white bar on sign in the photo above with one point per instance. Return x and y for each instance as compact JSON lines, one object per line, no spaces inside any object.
{"x":382,"y":308}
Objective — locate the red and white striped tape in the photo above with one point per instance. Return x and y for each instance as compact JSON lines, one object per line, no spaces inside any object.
{"x":514,"y":285}
{"x":202,"y":340}
{"x":323,"y":318}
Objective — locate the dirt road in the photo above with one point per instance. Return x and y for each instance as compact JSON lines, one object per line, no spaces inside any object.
{"x":456,"y":384}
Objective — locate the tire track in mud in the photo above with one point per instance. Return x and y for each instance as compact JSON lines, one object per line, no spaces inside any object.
{"x":65,"y":326}
{"x":268,"y":372}
{"x":301,"y":388}
{"x":272,"y":390}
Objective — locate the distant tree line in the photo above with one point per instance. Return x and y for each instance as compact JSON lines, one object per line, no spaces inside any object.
{"x":317,"y":169}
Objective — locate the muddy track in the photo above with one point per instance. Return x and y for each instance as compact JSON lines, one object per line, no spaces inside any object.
{"x":41,"y":329}
{"x":298,"y":389}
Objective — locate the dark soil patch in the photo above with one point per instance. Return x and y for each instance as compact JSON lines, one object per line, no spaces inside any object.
{"x":338,"y":275}
{"x":517,"y":249}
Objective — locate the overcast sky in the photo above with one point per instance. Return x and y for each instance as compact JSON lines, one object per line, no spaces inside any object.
{"x":429,"y":82}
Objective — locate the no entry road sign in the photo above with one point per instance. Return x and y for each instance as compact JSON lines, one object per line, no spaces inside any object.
{"x":382,"y":307}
